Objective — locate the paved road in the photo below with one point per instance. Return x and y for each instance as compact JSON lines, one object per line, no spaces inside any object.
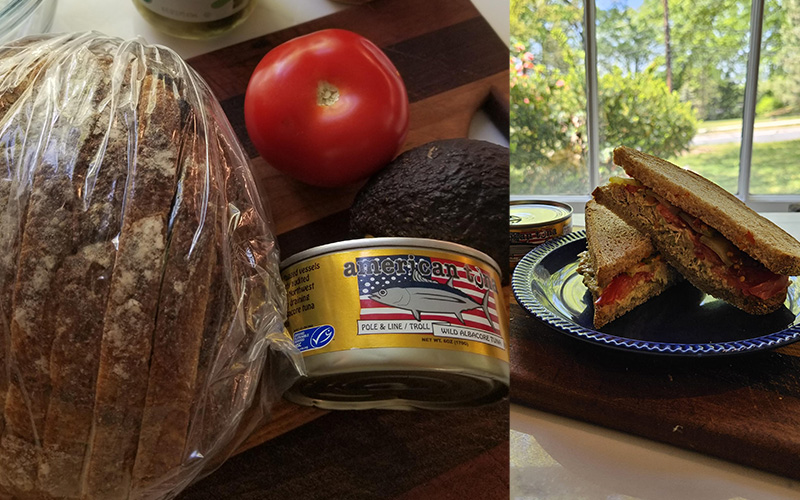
{"x":759,"y":135}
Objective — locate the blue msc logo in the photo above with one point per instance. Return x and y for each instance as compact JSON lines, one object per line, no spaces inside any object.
{"x":313,"y":338}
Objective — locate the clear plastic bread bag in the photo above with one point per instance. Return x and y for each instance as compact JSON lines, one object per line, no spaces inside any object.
{"x":141,"y":306}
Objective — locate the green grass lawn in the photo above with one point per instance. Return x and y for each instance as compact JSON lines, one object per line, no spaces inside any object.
{"x":710,"y":126}
{"x":775,"y":166}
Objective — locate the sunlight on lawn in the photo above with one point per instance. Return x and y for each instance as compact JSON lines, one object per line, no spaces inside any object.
{"x":775,"y":166}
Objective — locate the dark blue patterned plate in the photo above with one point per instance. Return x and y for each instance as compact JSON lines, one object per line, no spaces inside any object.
{"x":682,"y":321}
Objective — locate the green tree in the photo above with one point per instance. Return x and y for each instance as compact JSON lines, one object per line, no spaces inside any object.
{"x":708,"y":41}
{"x":782,"y":69}
{"x":625,"y":39}
{"x":548,"y":103}
{"x":639,"y":111}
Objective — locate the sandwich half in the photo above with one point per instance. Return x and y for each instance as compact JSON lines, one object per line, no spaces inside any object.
{"x":620,"y":266}
{"x":720,"y":245}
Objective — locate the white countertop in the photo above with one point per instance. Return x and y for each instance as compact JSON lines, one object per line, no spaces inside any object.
{"x":559,"y":458}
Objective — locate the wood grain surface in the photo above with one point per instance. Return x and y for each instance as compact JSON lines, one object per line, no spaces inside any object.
{"x":374,"y":454}
{"x":451,"y":61}
{"x":453,"y":64}
{"x":743,"y":408}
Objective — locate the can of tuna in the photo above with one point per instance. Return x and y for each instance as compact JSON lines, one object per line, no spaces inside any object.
{"x":533,"y":222}
{"x":397,"y":323}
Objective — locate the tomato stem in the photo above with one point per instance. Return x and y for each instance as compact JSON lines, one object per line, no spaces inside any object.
{"x":327,"y":94}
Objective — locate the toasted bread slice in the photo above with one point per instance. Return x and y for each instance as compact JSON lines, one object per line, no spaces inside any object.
{"x":665,"y":277}
{"x":696,"y":195}
{"x":613,"y":245}
{"x":614,"y":248}
{"x":679,"y":249}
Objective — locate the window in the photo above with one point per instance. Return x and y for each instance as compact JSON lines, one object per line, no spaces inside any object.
{"x":776,"y":136}
{"x":548,"y":98}
{"x":712,"y":85}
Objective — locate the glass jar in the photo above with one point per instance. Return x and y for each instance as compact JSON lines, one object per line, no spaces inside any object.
{"x":195,"y":19}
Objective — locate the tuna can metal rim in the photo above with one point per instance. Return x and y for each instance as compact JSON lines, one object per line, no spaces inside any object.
{"x":390,"y":242}
{"x":397,"y":390}
{"x":401,"y":378}
{"x":542,"y":203}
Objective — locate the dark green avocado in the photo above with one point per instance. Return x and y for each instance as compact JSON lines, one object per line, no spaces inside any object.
{"x":452,"y":190}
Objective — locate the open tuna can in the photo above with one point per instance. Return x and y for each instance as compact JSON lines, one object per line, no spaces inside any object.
{"x":398,"y":323}
{"x":533,"y":222}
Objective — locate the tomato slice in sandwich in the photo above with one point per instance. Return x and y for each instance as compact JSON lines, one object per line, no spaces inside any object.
{"x":621,"y":286}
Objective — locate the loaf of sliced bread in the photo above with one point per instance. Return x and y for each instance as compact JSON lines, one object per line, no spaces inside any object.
{"x":139,"y":284}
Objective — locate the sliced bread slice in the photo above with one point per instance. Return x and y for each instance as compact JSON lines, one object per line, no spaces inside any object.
{"x":130,"y":314}
{"x":696,"y":195}
{"x":84,"y":280}
{"x":614,"y":248}
{"x":185,"y":291}
{"x":678,"y":248}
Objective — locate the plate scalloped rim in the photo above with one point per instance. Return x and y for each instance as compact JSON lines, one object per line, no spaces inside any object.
{"x":521,"y":287}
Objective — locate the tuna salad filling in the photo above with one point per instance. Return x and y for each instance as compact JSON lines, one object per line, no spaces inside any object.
{"x":626,"y":286}
{"x":735,"y":267}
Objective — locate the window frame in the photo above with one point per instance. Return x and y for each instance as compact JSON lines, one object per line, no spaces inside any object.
{"x":761,"y":203}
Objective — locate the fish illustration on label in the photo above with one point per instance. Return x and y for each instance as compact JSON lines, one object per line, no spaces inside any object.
{"x":412,"y":293}
{"x":430,"y":296}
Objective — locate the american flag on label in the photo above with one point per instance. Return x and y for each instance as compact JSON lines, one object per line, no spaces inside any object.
{"x":420,"y":294}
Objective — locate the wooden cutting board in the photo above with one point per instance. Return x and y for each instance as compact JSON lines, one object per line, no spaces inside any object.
{"x":448,"y":55}
{"x":744,"y":408}
{"x":453,"y":64}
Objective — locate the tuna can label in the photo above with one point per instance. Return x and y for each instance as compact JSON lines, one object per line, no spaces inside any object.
{"x":537,"y":236}
{"x":396,"y":297}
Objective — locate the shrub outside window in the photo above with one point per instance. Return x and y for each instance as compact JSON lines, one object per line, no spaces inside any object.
{"x":710,"y":85}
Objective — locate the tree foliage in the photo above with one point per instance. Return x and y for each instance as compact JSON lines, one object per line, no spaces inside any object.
{"x":548,"y":98}
{"x":637,"y":110}
{"x":548,"y":102}
{"x":709,"y":42}
{"x":782,"y":71}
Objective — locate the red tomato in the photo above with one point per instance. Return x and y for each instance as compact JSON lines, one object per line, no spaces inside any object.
{"x":328,"y":108}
